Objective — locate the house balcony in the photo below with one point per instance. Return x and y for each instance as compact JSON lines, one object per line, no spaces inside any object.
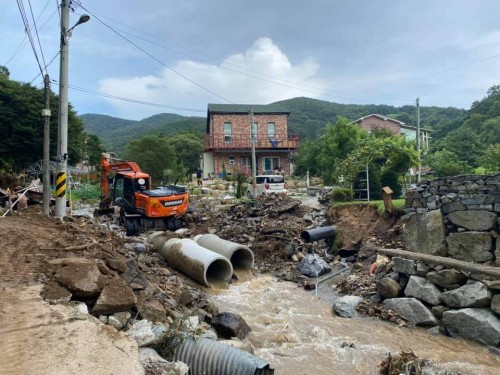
{"x":244,"y":141}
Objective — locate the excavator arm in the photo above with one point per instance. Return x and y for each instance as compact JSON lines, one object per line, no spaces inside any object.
{"x":109,"y":166}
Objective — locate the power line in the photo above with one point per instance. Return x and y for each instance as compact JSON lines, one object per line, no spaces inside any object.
{"x":23,"y":43}
{"x":37,"y":36}
{"x":22,"y":11}
{"x":129,"y":100}
{"x":50,"y":62}
{"x":156,"y":59}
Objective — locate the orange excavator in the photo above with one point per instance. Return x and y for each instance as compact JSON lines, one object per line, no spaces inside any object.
{"x":142,"y":208}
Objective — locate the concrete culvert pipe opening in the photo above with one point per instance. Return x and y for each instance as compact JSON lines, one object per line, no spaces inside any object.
{"x":218,"y":273}
{"x":240,"y":256}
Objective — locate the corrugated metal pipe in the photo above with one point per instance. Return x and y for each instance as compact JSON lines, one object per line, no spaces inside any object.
{"x":209,"y":357}
{"x":202,"y":265}
{"x":240,"y":256}
{"x":316,"y":234}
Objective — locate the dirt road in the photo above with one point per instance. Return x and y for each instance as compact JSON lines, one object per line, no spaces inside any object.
{"x":39,"y":338}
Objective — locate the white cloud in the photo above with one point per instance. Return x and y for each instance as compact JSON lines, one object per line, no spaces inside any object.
{"x":241,"y":78}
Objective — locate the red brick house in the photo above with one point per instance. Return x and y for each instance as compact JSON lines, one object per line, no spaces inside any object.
{"x":374,"y":121}
{"x":228,"y":139}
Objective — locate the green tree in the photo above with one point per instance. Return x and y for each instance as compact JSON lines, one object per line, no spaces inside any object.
{"x":155,"y":155}
{"x":92,"y":149}
{"x":188,"y":149}
{"x":446,"y":163}
{"x":490,"y":160}
{"x":21,"y":125}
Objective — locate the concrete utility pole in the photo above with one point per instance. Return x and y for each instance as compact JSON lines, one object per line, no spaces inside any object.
{"x":62,"y":136}
{"x":254,"y":158}
{"x":46,"y":147}
{"x":418,"y":140}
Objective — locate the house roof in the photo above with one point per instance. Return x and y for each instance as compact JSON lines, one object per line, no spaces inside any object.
{"x":385,"y":118}
{"x":244,"y":109}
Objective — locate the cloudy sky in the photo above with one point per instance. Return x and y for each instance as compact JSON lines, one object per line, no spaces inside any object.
{"x":177,"y":56}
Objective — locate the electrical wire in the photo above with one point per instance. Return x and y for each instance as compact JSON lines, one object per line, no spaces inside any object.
{"x":50,"y":62}
{"x":156,"y":59}
{"x":37,"y":36}
{"x":129,"y":100}
{"x":22,"y":11}
{"x":24,"y":43}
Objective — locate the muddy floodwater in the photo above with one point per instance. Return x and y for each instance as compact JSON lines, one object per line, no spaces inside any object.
{"x":298,"y":335}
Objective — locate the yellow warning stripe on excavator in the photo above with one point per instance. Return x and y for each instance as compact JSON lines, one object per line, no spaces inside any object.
{"x":61,"y":185}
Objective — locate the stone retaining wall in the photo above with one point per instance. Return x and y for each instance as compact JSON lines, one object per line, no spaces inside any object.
{"x":454,"y":217}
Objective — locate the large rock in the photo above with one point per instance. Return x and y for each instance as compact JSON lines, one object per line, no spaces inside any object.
{"x":412,"y":310}
{"x":471,"y":246}
{"x":406,"y":266}
{"x":475,"y":220}
{"x":472,"y":294}
{"x":345,"y":306}
{"x":495,"y":304}
{"x":313,"y":266}
{"x":388,"y":288}
{"x":475,"y":324}
{"x":151,"y":309}
{"x":446,"y":278}
{"x":421,"y":288}
{"x":133,"y":276}
{"x":425,"y":233}
{"x":115,"y":297}
{"x":229,"y":325}
{"x":142,"y":332}
{"x":79,"y":275}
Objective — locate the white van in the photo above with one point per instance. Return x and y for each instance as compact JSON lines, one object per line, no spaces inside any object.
{"x":267,"y":184}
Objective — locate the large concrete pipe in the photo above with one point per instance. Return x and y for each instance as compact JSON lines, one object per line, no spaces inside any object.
{"x":240,"y":256}
{"x":202,"y":265}
{"x":316,"y":234}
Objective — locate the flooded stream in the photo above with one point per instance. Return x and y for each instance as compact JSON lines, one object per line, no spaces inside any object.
{"x":298,"y":335}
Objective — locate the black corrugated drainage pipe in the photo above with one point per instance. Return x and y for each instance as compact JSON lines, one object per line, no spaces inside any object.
{"x":209,"y":357}
{"x":316,"y":234}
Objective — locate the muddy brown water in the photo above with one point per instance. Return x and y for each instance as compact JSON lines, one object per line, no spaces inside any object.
{"x":298,"y":335}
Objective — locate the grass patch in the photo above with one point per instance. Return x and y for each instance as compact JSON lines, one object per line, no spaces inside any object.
{"x":398,"y":204}
{"x":86,"y":193}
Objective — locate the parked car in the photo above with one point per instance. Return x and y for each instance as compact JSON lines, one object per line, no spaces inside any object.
{"x":267,"y":184}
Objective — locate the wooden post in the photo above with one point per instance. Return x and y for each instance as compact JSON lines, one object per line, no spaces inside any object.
{"x":387,"y":196}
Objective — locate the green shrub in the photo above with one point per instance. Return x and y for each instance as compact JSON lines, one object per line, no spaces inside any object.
{"x":341,"y":195}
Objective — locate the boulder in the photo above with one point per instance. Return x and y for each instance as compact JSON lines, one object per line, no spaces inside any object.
{"x":406,"y":266}
{"x":53,"y":293}
{"x":81,"y":312}
{"x":388,"y":288}
{"x":116,"y":265}
{"x":471,"y":246}
{"x":495,"y":304}
{"x":78,"y":275}
{"x":475,"y":220}
{"x":115,"y":297}
{"x":313,"y":266}
{"x":122,"y":317}
{"x":472,"y":294}
{"x":446,"y":278}
{"x":151,"y":309}
{"x":425,"y":233}
{"x":142,"y":332}
{"x":475,"y":324}
{"x":152,"y":361}
{"x":345,"y":306}
{"x":133,"y":276}
{"x":421,"y":288}
{"x":412,"y":310}
{"x":229,"y":325}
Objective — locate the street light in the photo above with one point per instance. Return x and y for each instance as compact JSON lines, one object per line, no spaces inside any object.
{"x":62,"y":139}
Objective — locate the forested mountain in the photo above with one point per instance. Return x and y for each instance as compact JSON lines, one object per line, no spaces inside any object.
{"x":308,"y":117}
{"x":116,"y":132}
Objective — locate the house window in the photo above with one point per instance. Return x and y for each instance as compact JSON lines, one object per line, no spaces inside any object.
{"x":271,"y":164}
{"x":228,"y":131}
{"x":271,"y":130}
{"x":232,"y":160}
{"x":246,"y":162}
{"x":254,"y":131}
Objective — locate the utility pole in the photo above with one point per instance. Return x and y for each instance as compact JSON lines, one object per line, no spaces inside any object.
{"x":62,"y":139}
{"x":418,"y":140}
{"x":254,"y":159}
{"x":46,"y":147}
